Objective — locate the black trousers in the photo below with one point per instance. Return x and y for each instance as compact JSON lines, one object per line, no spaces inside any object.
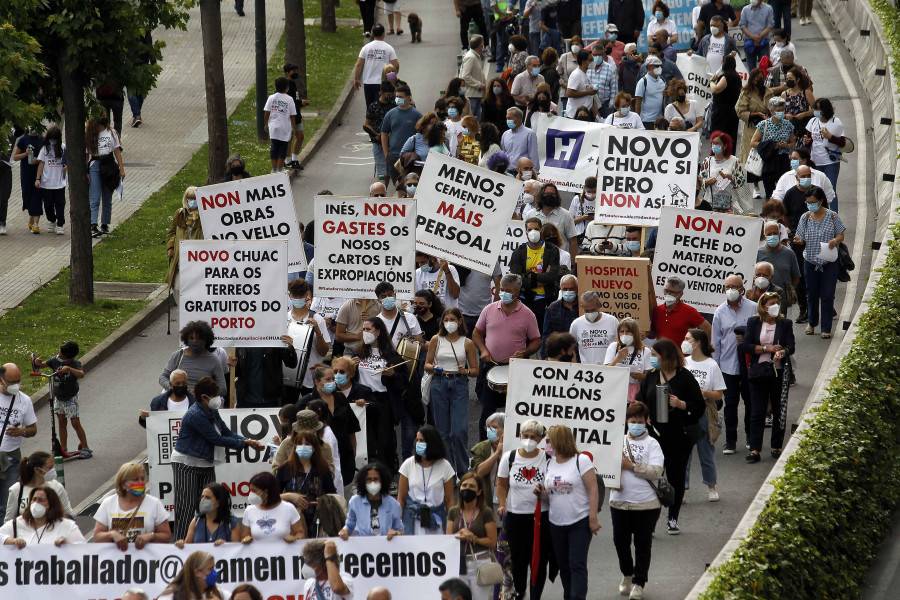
{"x":115,"y":111}
{"x":5,"y":190}
{"x":520,"y":535}
{"x":676,"y":449}
{"x":637,"y":525}
{"x":367,"y":10}
{"x":764,"y":390}
{"x":475,"y":13}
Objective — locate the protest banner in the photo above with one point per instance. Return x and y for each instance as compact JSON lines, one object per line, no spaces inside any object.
{"x":515,"y":237}
{"x":703,"y":248}
{"x":361,"y":242}
{"x":258,"y":208}
{"x":623,"y":283}
{"x":461,"y":208}
{"x":239,"y":466}
{"x":642,"y":171}
{"x":568,"y":150}
{"x":595,"y":14}
{"x":362,"y":439}
{"x":412,"y":567}
{"x":696,"y":76}
{"x":239,"y":288}
{"x":588,"y":399}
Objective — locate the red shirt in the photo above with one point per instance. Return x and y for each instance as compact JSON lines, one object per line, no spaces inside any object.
{"x":674,"y":324}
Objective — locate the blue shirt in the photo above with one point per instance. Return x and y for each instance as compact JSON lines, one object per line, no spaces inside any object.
{"x":723,"y":338}
{"x":198,"y":436}
{"x":604,"y":80}
{"x":519,"y":143}
{"x":359,"y":515}
{"x":416,"y":144}
{"x":651,"y":90}
{"x":399,"y":125}
{"x":756,"y":20}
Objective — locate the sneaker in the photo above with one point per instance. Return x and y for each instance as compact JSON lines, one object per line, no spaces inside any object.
{"x":672,"y":527}
{"x":367,"y":34}
{"x":769,"y":421}
{"x":637,"y":591}
{"x":756,"y":194}
{"x":713,"y":495}
{"x":134,"y":122}
{"x":2,"y":229}
{"x":104,"y":229}
{"x":241,"y":13}
{"x":394,"y":489}
{"x":625,"y":586}
{"x":95,"y":233}
{"x":59,"y":230}
{"x":802,"y":318}
{"x":728,"y":450}
{"x":753,"y":457}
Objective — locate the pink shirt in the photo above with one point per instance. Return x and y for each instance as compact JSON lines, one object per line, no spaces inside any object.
{"x":505,"y":335}
{"x":767,"y":338}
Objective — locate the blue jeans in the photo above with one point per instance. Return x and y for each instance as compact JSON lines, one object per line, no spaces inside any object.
{"x":755,"y":53}
{"x":135,"y":102}
{"x":831,"y":172}
{"x":782,"y":12}
{"x":707,"y":453}
{"x":534,"y":42}
{"x":570,"y":547}
{"x":99,"y":192}
{"x":450,"y":403}
{"x":475,"y":103}
{"x":380,"y":160}
{"x":820,"y":286}
{"x":6,"y":480}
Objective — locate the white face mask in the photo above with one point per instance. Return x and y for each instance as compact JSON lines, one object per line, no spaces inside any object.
{"x":527,"y":198}
{"x":627,"y":340}
{"x":13,"y":389}
{"x":732,"y":295}
{"x":575,"y":48}
{"x":714,"y":30}
{"x":451,"y":326}
{"x":761,"y":282}
{"x":50,"y":475}
{"x":38,"y":510}
{"x":373,"y":488}
{"x":527,"y":174}
{"x":216,"y":403}
{"x":512,"y":49}
{"x":592,"y":316}
{"x":368,"y":338}
{"x":774,"y":310}
{"x":254,"y":498}
{"x":307,"y":572}
{"x":534,"y":236}
{"x":670,"y":300}
{"x":529,"y":445}
{"x":686,"y":347}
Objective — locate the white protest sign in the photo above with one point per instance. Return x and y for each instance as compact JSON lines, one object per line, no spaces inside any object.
{"x":703,"y":248}
{"x":239,"y":288}
{"x":515,"y":237}
{"x":696,"y":75}
{"x":588,"y":399}
{"x":642,"y":171}
{"x":412,"y":567}
{"x":258,"y":208}
{"x":361,"y":242}
{"x":568,"y":150}
{"x":461,"y":208}
{"x":362,"y":438}
{"x":239,"y":466}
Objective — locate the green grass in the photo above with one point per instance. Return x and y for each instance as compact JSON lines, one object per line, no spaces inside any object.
{"x":348,"y":9}
{"x":135,"y":250}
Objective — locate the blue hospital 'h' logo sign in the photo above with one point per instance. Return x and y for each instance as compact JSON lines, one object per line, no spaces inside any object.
{"x":563,"y":148}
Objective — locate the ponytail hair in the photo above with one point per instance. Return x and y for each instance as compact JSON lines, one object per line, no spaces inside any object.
{"x":28,"y":464}
{"x":702,"y":338}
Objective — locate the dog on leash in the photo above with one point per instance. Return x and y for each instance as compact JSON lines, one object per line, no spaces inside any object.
{"x":415,"y":27}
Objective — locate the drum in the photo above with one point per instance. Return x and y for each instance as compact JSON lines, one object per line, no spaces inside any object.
{"x":303,"y":335}
{"x":498,"y":378}
{"x":410,"y":350}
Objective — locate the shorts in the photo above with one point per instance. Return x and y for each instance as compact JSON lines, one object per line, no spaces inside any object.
{"x":393,"y":7}
{"x":67,"y":408}
{"x":279,"y":149}
{"x":299,"y":126}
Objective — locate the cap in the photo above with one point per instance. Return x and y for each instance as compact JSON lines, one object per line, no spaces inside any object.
{"x":307,"y":421}
{"x":652,"y":60}
{"x":611,"y":28}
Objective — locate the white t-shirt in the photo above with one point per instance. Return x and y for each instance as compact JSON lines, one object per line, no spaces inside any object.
{"x":309,"y":589}
{"x":565,"y":258}
{"x":715,"y":53}
{"x":270,"y":524}
{"x":580,"y":207}
{"x":691,"y":115}
{"x":637,"y":362}
{"x":425,"y":281}
{"x":434,"y":476}
{"x":775,"y":53}
{"x":453,"y":128}
{"x":328,"y":308}
{"x":368,"y":367}
{"x":524,"y":475}
{"x":376,"y":55}
{"x":631,"y":121}
{"x":281,"y":108}
{"x":22,"y":416}
{"x":14,"y":495}
{"x":707,"y":373}
{"x":669,"y":25}
{"x":295,"y":328}
{"x":592,"y":339}
{"x":52,"y":177}
{"x":636,"y":490}
{"x":569,"y":500}
{"x":579,"y":82}
{"x":409,"y":326}
{"x":820,"y":146}
{"x":179,"y":406}
{"x":107,"y":142}
{"x":65,"y":529}
{"x":150,"y":514}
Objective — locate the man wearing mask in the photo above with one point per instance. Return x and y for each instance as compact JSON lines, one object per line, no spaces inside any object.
{"x":669,"y":70}
{"x":593,"y":331}
{"x":300,"y":317}
{"x":604,"y":80}
{"x":582,"y":207}
{"x":292,"y":72}
{"x":550,"y":211}
{"x":375,"y":114}
{"x":673,"y":318}
{"x":648,"y":95}
{"x":633,"y":241}
{"x":716,"y":8}
{"x":757,"y":20}
{"x":800,"y":158}
{"x":628,"y":16}
{"x":561,"y":313}
{"x":616,"y":47}
{"x":716,"y":44}
{"x":518,"y":140}
{"x":399,"y":125}
{"x":525,"y":169}
{"x":527,"y":204}
{"x":17,"y":408}
{"x":538,"y":264}
{"x":472,"y":69}
{"x":176,"y":398}
{"x":604,"y":240}
{"x":390,"y":311}
{"x":525,"y":84}
{"x":763,"y":274}
{"x":579,"y":90}
{"x":795,"y":207}
{"x":453,"y":123}
{"x":440,"y":277}
{"x":505,"y":329}
{"x":731,"y":315}
{"x":786,"y":273}
{"x":667,"y":50}
{"x":372,"y":59}
{"x":776,"y":80}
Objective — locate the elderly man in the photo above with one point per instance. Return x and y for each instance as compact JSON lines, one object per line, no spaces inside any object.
{"x":506,"y":329}
{"x":661,"y":37}
{"x":673,"y":318}
{"x":17,"y":412}
{"x":329,"y":581}
{"x":757,"y":20}
{"x":593,"y":331}
{"x":616,"y":46}
{"x":560,"y":314}
{"x":177,"y":397}
{"x":603,"y":78}
{"x":648,"y":95}
{"x":135,"y":593}
{"x":527,"y":204}
{"x":763,"y":273}
{"x":472,"y":69}
{"x":731,"y":315}
{"x":538,"y":263}
{"x":776,"y":80}
{"x":525,"y":84}
{"x":670,"y":70}
{"x":799,"y":159}
{"x":377,"y":190}
{"x":786,"y":273}
{"x":376,"y":593}
{"x":518,"y":140}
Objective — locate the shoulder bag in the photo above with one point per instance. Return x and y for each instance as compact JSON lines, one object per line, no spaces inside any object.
{"x":489,"y":573}
{"x":754,"y":164}
{"x":664,"y":491}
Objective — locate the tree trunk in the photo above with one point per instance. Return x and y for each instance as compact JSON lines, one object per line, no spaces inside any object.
{"x":81,"y":277}
{"x":295,"y":40}
{"x":329,"y":20}
{"x":216,"y":111}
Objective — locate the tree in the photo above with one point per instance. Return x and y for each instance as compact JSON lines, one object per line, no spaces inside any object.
{"x":329,"y":19}
{"x":89,"y":42}
{"x":216,"y":111}
{"x":18,"y":61}
{"x":295,"y":40}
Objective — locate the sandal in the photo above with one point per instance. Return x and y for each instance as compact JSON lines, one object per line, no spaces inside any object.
{"x":810,"y":330}
{"x":826,"y":336}
{"x":86,"y":453}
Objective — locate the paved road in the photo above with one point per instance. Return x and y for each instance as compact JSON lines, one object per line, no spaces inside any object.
{"x":116,"y":390}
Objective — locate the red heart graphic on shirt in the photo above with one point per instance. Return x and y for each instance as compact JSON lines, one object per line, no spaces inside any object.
{"x":528,"y":474}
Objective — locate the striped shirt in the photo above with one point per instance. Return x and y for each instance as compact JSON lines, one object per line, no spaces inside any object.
{"x":603,"y":79}
{"x":814,"y":233}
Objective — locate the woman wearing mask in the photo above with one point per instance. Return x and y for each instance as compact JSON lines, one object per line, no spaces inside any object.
{"x":340,"y":417}
{"x":583,"y":113}
{"x":549,"y":62}
{"x":541,"y":103}
{"x":582,"y":207}
{"x":410,"y":184}
{"x":682,"y":107}
{"x":634,"y":507}
{"x":722,"y":173}
{"x":428,"y":309}
{"x":825,"y":137}
{"x":417,"y":142}
{"x":196,"y":580}
{"x":26,"y":150}
{"x":623,"y":117}
{"x":201,"y":445}
{"x":780,"y":132}
{"x":452,"y":360}
{"x":486,"y":454}
{"x":550,"y":233}
{"x":799,"y":100}
{"x":34,"y":471}
{"x":373,"y":511}
{"x":520,"y":470}
{"x":362,"y":402}
{"x":685,"y":407}
{"x":197,"y":359}
{"x":698,"y":360}
{"x":661,"y":20}
{"x":497,"y":100}
{"x":103,"y":148}
{"x":457,"y":89}
{"x":819,"y":226}
{"x":567,"y":65}
{"x":426,"y":485}
{"x":42,"y":522}
{"x":185,"y":226}
{"x":488,"y":143}
{"x":570,"y":488}
{"x":725,"y":88}
{"x":518,"y":53}
{"x":326,"y":437}
{"x":214,"y":522}
{"x":235,"y":169}
{"x":132,"y":515}
{"x":752,"y":108}
{"x":769,"y":342}
{"x":467,"y":146}
{"x":629,"y":351}
{"x":436,"y":139}
{"x":472,"y":522}
{"x":267,"y":517}
{"x":306,"y":474}
{"x":51,"y":179}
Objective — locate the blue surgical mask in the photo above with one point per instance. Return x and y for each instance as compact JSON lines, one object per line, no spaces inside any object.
{"x":805,"y":181}
{"x":654,"y":362}
{"x":389,"y":303}
{"x":341,"y":379}
{"x":304,"y":451}
{"x":510,"y":123}
{"x":817,"y":114}
{"x":779,"y":114}
{"x":633,"y":245}
{"x":464,"y":131}
{"x":52,"y":143}
{"x":452,"y":113}
{"x":420,"y":448}
{"x":625,"y":111}
{"x":535,"y":71}
{"x":717,"y":149}
{"x":569,"y":296}
{"x":298,"y":302}
{"x":506,"y":297}
{"x":772,"y":240}
{"x":612,"y":36}
{"x":637,"y":429}
{"x":426,"y":268}
{"x":212,"y":577}
{"x":598,"y":59}
{"x":192,"y":204}
{"x":400,"y":101}
{"x":329,"y":387}
{"x":410,"y":189}
{"x":462,"y":91}
{"x":658,"y":15}
{"x":492,"y":434}
{"x":812,"y":207}
{"x":795,"y":164}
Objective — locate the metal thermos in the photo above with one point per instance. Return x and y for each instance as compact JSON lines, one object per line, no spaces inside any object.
{"x":662,"y":403}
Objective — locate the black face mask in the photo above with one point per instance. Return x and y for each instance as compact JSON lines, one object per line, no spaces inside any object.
{"x":442,"y":116}
{"x":544,"y":104}
{"x":179,"y":391}
{"x":681,"y":97}
{"x":295,"y":75}
{"x":566,"y":358}
{"x":237,"y":170}
{"x":467,"y":495}
{"x":104,"y":121}
{"x":550,"y":200}
{"x":420,"y":310}
{"x":586,"y":118}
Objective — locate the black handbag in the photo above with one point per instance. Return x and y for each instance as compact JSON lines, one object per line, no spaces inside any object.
{"x":762,"y":370}
{"x":694,"y":432}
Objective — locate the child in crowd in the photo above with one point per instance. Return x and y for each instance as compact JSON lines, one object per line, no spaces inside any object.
{"x":65,"y":390}
{"x":281,"y":120}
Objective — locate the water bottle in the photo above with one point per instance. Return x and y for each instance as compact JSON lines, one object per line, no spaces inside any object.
{"x":662,"y":403}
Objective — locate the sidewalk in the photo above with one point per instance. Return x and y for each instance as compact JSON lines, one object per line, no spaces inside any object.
{"x":174,"y":127}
